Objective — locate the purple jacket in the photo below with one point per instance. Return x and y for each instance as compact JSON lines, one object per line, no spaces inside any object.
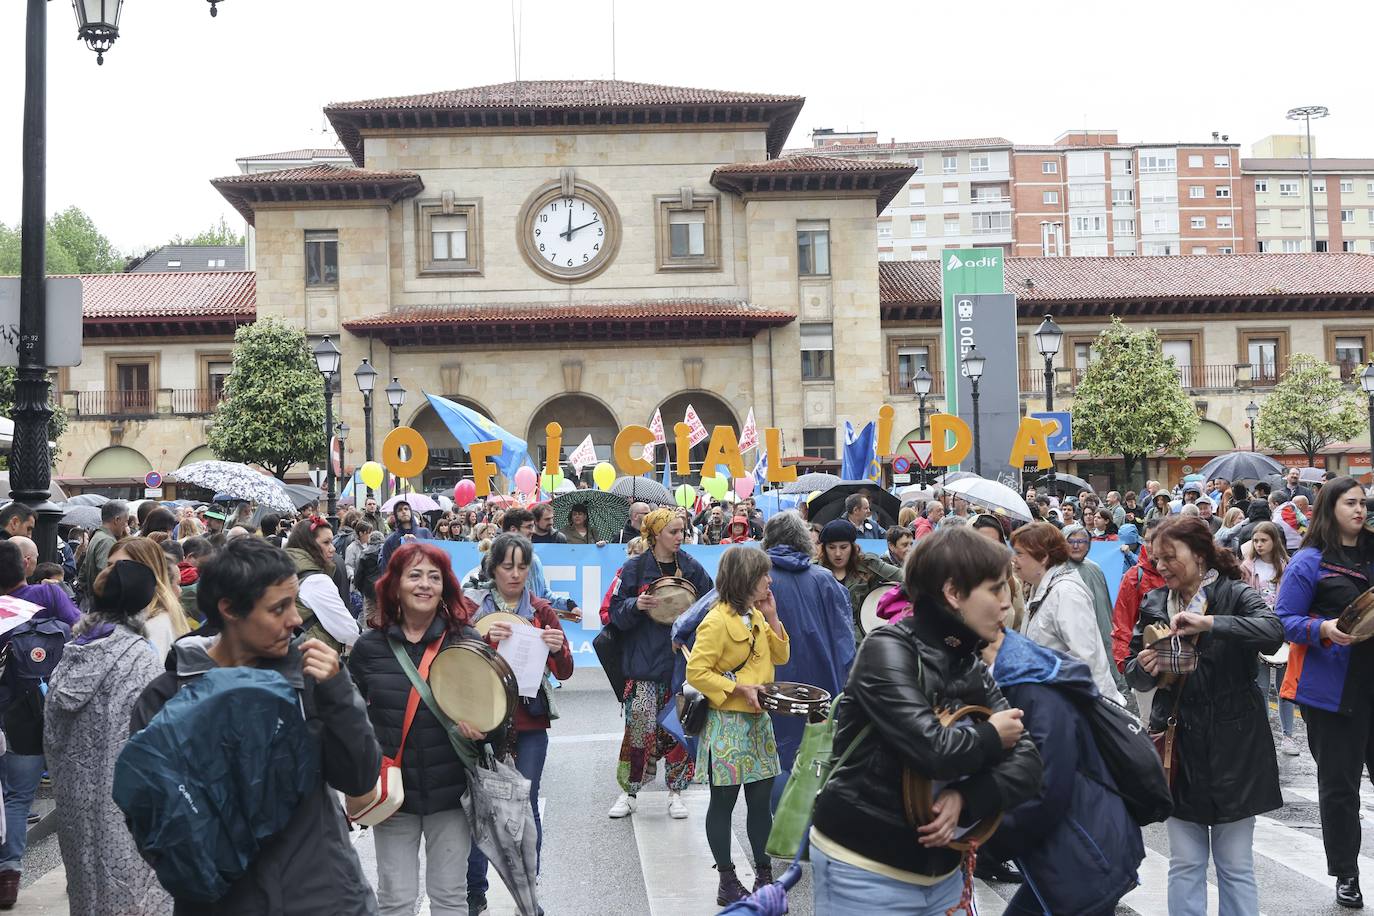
{"x":1313,"y":589}
{"x":52,"y":599}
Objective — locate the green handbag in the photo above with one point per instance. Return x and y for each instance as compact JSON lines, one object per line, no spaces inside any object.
{"x":810,"y":770}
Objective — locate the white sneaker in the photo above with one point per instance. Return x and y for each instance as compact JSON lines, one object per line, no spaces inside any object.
{"x":624,"y":805}
{"x":1289,"y":746}
{"x":676,"y":809}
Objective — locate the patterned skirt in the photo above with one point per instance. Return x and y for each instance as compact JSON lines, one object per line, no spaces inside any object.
{"x":736,"y":748}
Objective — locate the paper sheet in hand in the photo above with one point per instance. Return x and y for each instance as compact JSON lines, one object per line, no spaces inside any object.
{"x":527,"y":655}
{"x":15,"y":611}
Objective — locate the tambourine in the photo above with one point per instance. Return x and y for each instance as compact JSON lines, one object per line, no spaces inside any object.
{"x":1278,"y":659}
{"x":484,"y":624}
{"x":1357,"y":620}
{"x":675,"y":595}
{"x":868,"y":612}
{"x":919,"y":793}
{"x":789,"y":698}
{"x":472,"y":684}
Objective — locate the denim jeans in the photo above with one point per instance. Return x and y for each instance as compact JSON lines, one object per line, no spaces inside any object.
{"x":531,"y":749}
{"x":19,"y":775}
{"x":847,"y":890}
{"x":1267,"y":689}
{"x":1232,"y":851}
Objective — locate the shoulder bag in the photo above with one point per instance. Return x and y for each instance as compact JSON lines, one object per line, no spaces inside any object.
{"x":692,"y":704}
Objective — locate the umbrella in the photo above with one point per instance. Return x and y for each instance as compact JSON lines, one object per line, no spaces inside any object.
{"x":1276,"y":482}
{"x":303,"y":494}
{"x":444,"y":502}
{"x":237,"y":481}
{"x":1194,"y":478}
{"x":81,"y":516}
{"x":953,"y":476}
{"x":915,"y":491}
{"x":57,"y":493}
{"x":1064,"y":481}
{"x":419,"y":502}
{"x":809,"y":483}
{"x":769,"y":900}
{"x":607,"y":513}
{"x":643,"y":490}
{"x":830,"y":504}
{"x":88,"y":499}
{"x":1241,"y":466}
{"x":1311,"y":475}
{"x":992,"y":495}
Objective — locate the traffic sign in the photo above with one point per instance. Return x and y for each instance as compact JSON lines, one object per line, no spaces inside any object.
{"x":1058,"y":429}
{"x":900,"y":465}
{"x":920,"y":450}
{"x":152,"y":480}
{"x":152,"y":493}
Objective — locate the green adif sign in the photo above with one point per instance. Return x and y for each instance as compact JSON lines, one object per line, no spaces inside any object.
{"x":964,"y":272}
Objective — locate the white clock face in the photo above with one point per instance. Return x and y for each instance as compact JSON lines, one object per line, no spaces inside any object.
{"x":568,"y":233}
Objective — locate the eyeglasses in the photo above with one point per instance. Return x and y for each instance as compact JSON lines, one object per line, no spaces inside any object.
{"x":1079,"y":542}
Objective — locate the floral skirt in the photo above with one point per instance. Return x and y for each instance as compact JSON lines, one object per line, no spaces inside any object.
{"x":736,"y":748}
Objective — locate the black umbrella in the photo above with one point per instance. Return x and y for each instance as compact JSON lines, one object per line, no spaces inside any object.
{"x":1065,"y":482}
{"x":830,"y":505}
{"x":809,"y":483}
{"x":1241,"y":466}
{"x":88,"y":499}
{"x":607,"y":513}
{"x":303,"y":494}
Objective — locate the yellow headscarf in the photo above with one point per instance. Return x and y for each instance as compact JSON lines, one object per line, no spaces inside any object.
{"x":653,"y":523}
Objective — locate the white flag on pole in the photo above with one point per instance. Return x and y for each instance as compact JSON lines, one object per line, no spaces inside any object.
{"x":699,"y":433}
{"x":749,"y":436}
{"x":583,"y":455}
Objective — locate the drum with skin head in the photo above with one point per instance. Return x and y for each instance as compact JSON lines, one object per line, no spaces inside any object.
{"x":472,"y":684}
{"x":675,"y":595}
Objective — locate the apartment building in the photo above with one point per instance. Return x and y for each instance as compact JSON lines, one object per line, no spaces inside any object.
{"x":1086,"y":195}
{"x":1342,"y":199}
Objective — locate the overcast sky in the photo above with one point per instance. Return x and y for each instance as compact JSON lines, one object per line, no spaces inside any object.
{"x":181,"y":95}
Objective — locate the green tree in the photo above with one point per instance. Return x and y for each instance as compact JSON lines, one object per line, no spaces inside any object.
{"x":273,"y":408}
{"x":75,"y":246}
{"x":57,"y":424}
{"x":218,"y":234}
{"x":1129,"y":402}
{"x":1309,"y":409}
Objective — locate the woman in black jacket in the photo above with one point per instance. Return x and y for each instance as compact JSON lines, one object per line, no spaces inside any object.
{"x":1226,"y":771}
{"x":419,"y":605}
{"x":866,"y":857}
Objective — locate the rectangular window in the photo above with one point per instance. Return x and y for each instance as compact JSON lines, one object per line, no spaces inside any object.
{"x":1159,"y":249}
{"x":1196,"y":191}
{"x":1349,"y":353}
{"x":1369,"y":189}
{"x":1221,"y":162}
{"x":917,"y":195}
{"x":818,"y":443}
{"x":1261,"y":185}
{"x":978,"y":162}
{"x":1090,"y":225}
{"x":1263,"y":353}
{"x":133,"y":388}
{"x":813,"y":248}
{"x":1321,"y":216}
{"x":1292,"y":246}
{"x":988,"y":223}
{"x":1158,"y":191}
{"x":1159,"y":223}
{"x":1225,"y":249}
{"x":918,"y":228}
{"x":1049,"y":167}
{"x":817,"y":350}
{"x":1347,"y":186}
{"x":1122,"y":167}
{"x":1088,"y":250}
{"x":1288,"y":189}
{"x":448,"y":237}
{"x":1223,"y":190}
{"x":321,"y":257}
{"x":919,"y":164}
{"x":884,"y":232}
{"x":1262,"y":216}
{"x":910,"y":359}
{"x":1123,"y":197}
{"x":1323,"y":246}
{"x":1123,"y":227}
{"x":1049,"y":197}
{"x":1371,"y":217}
{"x":1318,"y":185}
{"x":1159,"y":163}
{"x":1347,"y":216}
{"x":951,"y":225}
{"x":1264,"y":246}
{"x":1181,"y":351}
{"x":1198,"y":222}
{"x":1223,"y":222}
{"x":1194,"y":162}
{"x":687,"y":233}
{"x":1093,"y":195}
{"x":217,"y":373}
{"x":1347,"y":246}
{"x":951,"y":195}
{"x":950,"y":164}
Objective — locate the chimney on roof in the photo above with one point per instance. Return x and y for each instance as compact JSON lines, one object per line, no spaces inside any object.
{"x":1216,"y":135}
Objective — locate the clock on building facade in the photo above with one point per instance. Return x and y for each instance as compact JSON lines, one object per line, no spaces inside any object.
{"x":569,"y":231}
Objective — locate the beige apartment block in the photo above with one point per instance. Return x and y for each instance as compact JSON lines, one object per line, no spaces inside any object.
{"x":1338,"y":214}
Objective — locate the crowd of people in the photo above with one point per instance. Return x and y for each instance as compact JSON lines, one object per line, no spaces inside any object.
{"x":1230,"y":596}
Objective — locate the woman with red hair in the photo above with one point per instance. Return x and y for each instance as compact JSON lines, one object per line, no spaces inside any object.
{"x":420,"y":609}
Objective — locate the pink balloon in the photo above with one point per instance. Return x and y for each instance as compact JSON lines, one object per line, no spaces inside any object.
{"x":744,"y":486}
{"x":526,"y":479}
{"x":464,"y":492}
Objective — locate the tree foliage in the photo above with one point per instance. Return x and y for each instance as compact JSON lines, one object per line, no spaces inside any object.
{"x":1129,"y":402}
{"x":57,"y":423}
{"x":218,"y":234}
{"x":1309,"y":409}
{"x":75,"y":246}
{"x":273,"y":408}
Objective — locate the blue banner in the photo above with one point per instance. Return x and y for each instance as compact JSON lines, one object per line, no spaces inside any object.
{"x":585,"y":573}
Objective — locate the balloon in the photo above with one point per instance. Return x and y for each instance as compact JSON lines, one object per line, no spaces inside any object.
{"x":464,"y":492}
{"x":550,"y":483}
{"x":371,"y":474}
{"x":603,"y":475}
{"x":716,"y":486}
{"x":744,"y":486}
{"x":685,"y":496}
{"x":525,"y":479}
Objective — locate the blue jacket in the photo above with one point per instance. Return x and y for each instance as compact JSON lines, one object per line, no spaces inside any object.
{"x":815,"y":611}
{"x":1313,"y":588}
{"x":1075,"y":842}
{"x":393,"y":541}
{"x":647,"y":653}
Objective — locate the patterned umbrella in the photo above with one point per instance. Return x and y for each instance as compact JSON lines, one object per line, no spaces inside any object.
{"x":643,"y":490}
{"x":607,"y":513}
{"x":238,"y":481}
{"x":808,"y":483}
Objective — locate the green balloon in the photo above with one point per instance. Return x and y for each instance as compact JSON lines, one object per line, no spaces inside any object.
{"x":716,"y":486}
{"x":550,"y":482}
{"x":685,"y":496}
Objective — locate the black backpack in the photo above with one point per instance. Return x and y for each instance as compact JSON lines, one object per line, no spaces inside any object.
{"x":368,"y":571}
{"x":1132,"y":761}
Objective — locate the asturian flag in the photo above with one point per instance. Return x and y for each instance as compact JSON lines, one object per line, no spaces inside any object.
{"x":749,"y":436}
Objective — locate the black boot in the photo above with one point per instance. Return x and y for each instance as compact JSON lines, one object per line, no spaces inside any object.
{"x":730,"y":888}
{"x":1348,"y":893}
{"x":763,"y":874}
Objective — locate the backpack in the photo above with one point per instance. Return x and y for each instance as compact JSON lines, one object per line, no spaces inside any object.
{"x":369,"y":570}
{"x":28,"y":657}
{"x":214,"y":776}
{"x":1132,"y":760}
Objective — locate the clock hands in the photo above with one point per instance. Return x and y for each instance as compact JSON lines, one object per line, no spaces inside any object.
{"x":575,"y":228}
{"x":568,"y":235}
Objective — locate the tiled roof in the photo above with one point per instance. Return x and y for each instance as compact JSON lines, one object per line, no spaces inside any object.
{"x":315,"y":183}
{"x":317,"y":152}
{"x":159,"y":304}
{"x":810,"y":173}
{"x":537,"y":103}
{"x":901,"y":146}
{"x":1109,"y":281}
{"x":191,"y":258}
{"x":1300,"y":165}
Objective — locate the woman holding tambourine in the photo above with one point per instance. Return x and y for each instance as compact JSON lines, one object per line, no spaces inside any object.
{"x":1331,"y":671}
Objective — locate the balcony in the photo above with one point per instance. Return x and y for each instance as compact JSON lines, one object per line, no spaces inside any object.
{"x":141,"y":404}
{"x":902,"y":386}
{"x":1223,"y":377}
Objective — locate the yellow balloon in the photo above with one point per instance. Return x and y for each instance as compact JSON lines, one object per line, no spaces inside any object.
{"x":371,"y":474}
{"x":604,"y":475}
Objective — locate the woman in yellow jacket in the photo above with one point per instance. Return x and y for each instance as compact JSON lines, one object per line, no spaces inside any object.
{"x":737,"y":645}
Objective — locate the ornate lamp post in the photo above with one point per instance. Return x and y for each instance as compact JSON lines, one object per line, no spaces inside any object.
{"x":921,"y":384}
{"x":366,"y":377}
{"x":1252,"y":414}
{"x":1367,"y":383}
{"x":327,"y":361}
{"x":396,"y":397}
{"x":1306,"y":113}
{"x":973,"y":368}
{"x":1048,"y":339}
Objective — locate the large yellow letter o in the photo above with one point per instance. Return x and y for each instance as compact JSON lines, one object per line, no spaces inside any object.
{"x":406,"y":436}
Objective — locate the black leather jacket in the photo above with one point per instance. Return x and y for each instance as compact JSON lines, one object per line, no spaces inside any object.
{"x":860,"y":807}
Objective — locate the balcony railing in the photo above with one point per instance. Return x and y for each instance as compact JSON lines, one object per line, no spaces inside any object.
{"x":195,"y":401}
{"x":115,"y":403}
{"x":1224,"y":377}
{"x":141,"y":404}
{"x":937,"y":386}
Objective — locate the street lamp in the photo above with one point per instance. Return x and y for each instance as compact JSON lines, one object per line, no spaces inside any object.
{"x":1252,"y":413}
{"x":1048,"y":339}
{"x":327,"y":361}
{"x":1367,"y":383}
{"x":97,"y":23}
{"x":921,"y":383}
{"x":973,"y":368}
{"x":366,"y":377}
{"x":395,"y":396}
{"x":1306,"y":113}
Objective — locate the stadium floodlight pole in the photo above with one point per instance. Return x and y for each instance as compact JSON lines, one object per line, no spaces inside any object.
{"x":1306,"y":113}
